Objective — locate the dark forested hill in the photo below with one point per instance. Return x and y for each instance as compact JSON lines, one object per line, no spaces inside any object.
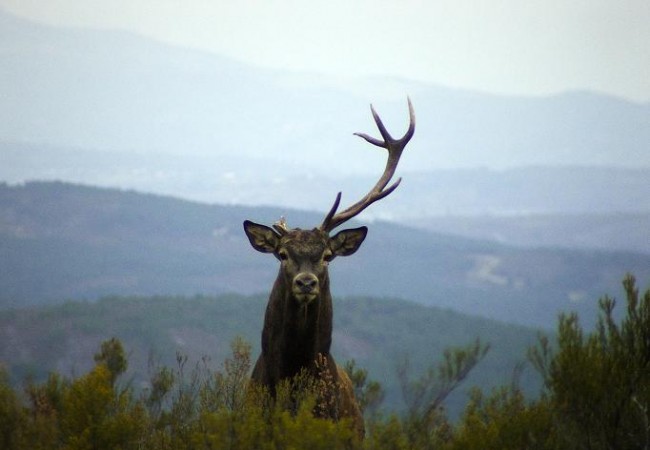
{"x":377,"y":334}
{"x":60,"y":241}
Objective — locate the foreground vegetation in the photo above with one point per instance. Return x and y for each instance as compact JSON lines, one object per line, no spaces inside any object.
{"x":377,"y":333}
{"x":596,"y":396}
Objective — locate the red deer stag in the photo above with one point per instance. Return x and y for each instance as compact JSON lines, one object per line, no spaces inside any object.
{"x":297,"y":330}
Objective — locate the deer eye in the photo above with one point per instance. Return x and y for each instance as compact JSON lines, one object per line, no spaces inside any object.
{"x":328,"y":256}
{"x":283,"y":255}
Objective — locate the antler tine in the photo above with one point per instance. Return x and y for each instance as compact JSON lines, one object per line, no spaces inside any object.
{"x":333,"y":209}
{"x":384,"y":133}
{"x":379,"y":191}
{"x":382,"y":130}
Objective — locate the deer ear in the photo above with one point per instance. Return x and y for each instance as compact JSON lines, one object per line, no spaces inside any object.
{"x":347,"y":242}
{"x":262,"y":238}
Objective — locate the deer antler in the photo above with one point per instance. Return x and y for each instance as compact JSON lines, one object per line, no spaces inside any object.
{"x":379,"y":191}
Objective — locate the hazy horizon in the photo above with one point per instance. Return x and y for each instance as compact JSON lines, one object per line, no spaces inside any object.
{"x":536,"y":48}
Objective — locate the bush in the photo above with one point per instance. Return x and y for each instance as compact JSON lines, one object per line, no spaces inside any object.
{"x":599,"y":383}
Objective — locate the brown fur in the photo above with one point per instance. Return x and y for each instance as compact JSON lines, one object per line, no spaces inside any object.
{"x":297,"y":333}
{"x":347,"y":403}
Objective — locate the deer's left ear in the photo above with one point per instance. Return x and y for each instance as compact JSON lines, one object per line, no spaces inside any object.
{"x":262,"y":238}
{"x":347,"y":242}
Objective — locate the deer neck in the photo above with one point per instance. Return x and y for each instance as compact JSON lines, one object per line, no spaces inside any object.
{"x":296,"y":333}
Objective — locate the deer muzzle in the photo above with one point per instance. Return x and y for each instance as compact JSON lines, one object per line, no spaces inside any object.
{"x":305,"y":287}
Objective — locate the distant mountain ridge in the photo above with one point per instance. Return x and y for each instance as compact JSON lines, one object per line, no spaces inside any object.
{"x":60,"y":241}
{"x":116,"y":91}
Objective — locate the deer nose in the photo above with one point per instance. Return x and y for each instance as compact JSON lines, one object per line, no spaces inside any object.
{"x":306,"y":282}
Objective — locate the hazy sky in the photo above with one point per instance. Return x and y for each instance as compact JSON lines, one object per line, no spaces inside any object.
{"x":503,"y":46}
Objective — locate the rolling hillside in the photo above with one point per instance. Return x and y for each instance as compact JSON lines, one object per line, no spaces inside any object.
{"x":60,"y":242}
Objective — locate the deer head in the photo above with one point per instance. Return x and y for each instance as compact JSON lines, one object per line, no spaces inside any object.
{"x":304,"y":254}
{"x":298,"y":249}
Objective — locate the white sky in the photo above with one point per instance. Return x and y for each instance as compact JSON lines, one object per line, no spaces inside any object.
{"x":503,"y":46}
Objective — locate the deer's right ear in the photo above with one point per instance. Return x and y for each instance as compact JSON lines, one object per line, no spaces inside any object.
{"x":263,"y":239}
